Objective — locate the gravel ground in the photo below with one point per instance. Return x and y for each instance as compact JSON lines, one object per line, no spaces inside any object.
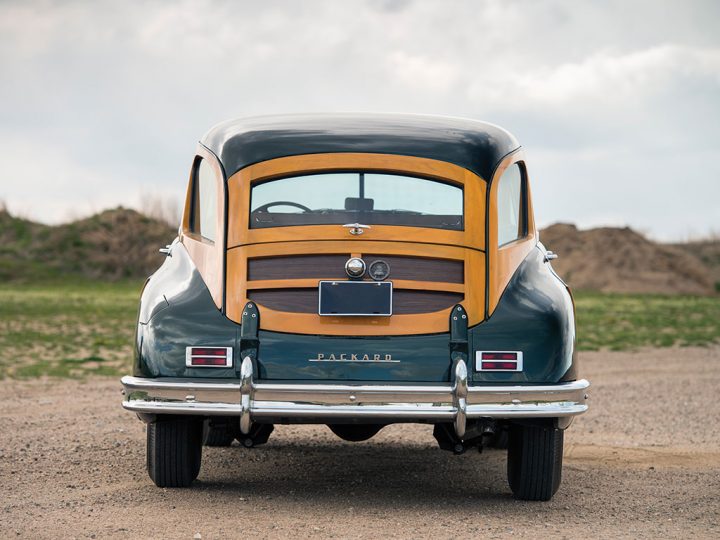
{"x":643,"y":463}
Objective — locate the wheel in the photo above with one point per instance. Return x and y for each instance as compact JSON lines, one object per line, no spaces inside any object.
{"x":534,"y":465}
{"x":218,"y":434}
{"x":174,"y":450}
{"x":355,"y":432}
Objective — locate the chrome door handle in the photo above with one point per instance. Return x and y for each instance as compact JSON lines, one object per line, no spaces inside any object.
{"x":550,"y":256}
{"x":166,"y":250}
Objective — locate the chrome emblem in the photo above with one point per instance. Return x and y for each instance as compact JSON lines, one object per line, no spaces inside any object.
{"x":355,"y":267}
{"x":379,"y":270}
{"x":359,"y":358}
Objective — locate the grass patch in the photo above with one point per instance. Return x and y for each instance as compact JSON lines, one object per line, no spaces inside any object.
{"x":74,"y":329}
{"x":629,"y":321}
{"x":67,"y":328}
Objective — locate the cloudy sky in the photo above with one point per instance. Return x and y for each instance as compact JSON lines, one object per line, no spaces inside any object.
{"x":617,"y":103}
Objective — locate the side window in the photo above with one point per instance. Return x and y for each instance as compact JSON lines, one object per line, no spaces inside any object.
{"x":512,"y":222}
{"x":203,"y":210}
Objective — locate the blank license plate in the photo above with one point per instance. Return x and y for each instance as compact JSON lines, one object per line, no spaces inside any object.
{"x":358,"y":298}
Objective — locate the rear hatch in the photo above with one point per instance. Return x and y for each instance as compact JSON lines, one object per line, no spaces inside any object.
{"x":293,"y":233}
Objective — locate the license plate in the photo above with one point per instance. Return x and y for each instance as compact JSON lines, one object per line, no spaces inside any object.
{"x":355,"y":298}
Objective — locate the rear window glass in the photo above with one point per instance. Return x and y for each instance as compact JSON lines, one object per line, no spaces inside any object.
{"x":356,"y":197}
{"x":510,"y":204}
{"x":204,"y":201}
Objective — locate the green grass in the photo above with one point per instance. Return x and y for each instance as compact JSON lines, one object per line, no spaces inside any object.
{"x":630,"y":321}
{"x":80,"y":328}
{"x":67,"y":329}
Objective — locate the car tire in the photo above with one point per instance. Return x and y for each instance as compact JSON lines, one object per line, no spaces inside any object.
{"x":174,"y":451}
{"x":218,"y":434}
{"x":534,"y":465}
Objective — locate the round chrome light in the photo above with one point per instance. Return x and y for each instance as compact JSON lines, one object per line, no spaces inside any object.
{"x":355,"y":267}
{"x":379,"y":270}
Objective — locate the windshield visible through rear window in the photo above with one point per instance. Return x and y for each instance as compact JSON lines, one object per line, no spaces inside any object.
{"x":356,"y":197}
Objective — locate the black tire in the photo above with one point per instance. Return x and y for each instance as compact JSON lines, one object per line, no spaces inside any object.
{"x":534,"y":461}
{"x":174,"y":451}
{"x":221,"y":434}
{"x":355,"y":432}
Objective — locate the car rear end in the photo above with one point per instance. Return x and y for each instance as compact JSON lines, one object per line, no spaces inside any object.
{"x":359,"y":290}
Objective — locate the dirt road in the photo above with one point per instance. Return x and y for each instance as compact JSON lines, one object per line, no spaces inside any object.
{"x":645,"y":462}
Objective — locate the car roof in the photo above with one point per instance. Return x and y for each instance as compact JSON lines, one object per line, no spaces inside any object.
{"x":476,"y":146}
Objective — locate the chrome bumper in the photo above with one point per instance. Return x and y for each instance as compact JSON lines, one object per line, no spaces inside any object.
{"x":332,"y":402}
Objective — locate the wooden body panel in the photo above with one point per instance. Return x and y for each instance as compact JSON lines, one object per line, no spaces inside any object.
{"x":504,"y":261}
{"x":449,"y":265}
{"x":207,"y":256}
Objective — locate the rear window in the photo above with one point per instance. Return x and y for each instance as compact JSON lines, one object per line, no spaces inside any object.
{"x":356,"y":197}
{"x":512,"y":221}
{"x":203,"y":206}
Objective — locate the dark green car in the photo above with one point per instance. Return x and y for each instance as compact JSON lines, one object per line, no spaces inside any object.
{"x":357,"y":271}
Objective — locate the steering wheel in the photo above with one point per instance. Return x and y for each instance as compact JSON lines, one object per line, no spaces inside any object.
{"x":264,"y":207}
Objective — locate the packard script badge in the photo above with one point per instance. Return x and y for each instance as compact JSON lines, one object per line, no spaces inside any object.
{"x":359,"y":358}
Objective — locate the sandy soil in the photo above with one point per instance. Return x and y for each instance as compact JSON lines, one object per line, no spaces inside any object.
{"x":644,"y":463}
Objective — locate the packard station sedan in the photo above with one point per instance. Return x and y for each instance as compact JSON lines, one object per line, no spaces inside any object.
{"x":357,"y":271}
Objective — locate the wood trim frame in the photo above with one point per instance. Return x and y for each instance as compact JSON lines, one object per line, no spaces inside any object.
{"x":208,"y":256}
{"x":504,"y":261}
{"x":239,"y":200}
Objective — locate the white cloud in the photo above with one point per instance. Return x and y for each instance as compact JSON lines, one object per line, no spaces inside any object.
{"x":603,"y":78}
{"x":422,"y":74}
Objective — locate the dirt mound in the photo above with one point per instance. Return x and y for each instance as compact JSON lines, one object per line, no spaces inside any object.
{"x":708,"y":251}
{"x":114,"y":244}
{"x":621,"y":260}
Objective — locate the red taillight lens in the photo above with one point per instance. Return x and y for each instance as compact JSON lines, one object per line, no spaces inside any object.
{"x":499,"y":365}
{"x":200,"y":361}
{"x":499,"y":361}
{"x":208,"y":356}
{"x":500,"y":356}
{"x":218,"y":351}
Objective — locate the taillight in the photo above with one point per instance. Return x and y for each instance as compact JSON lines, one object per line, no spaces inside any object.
{"x":498,"y":361}
{"x":208,"y":356}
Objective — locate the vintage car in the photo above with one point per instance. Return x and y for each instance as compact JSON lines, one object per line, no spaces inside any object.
{"x":357,"y":271}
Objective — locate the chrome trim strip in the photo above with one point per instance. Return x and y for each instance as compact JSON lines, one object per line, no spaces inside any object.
{"x":455,"y":403}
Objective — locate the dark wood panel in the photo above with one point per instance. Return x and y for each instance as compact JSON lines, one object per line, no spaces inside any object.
{"x":298,"y":267}
{"x":421,"y":269}
{"x":292,"y":300}
{"x":405,"y":301}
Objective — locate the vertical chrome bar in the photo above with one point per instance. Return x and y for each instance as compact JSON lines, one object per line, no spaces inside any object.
{"x":246,"y":391}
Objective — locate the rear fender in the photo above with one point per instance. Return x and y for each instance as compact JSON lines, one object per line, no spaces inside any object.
{"x":177,"y":311}
{"x":535,"y":315}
